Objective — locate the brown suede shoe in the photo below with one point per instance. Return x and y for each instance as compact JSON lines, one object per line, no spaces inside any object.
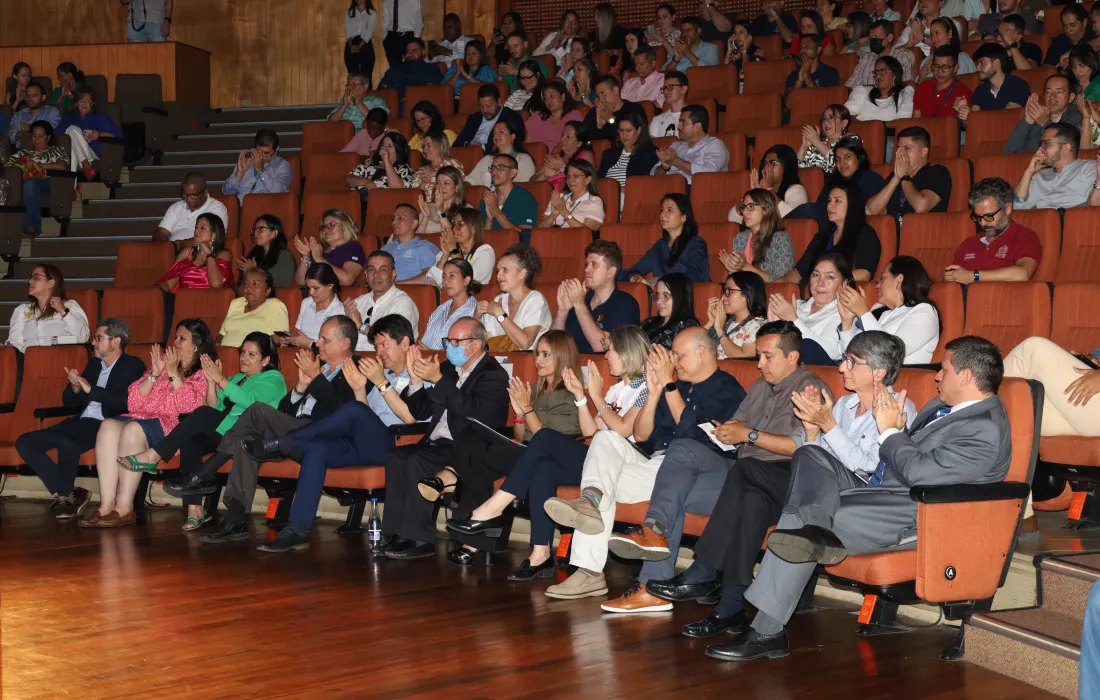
{"x":113,"y":519}
{"x":71,"y":506}
{"x":579,"y":585}
{"x":636,"y":599}
{"x":644,"y":544}
{"x":92,"y":520}
{"x":577,"y":513}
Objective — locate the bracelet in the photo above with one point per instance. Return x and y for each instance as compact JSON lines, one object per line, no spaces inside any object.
{"x":582,"y":402}
{"x":152,"y":376}
{"x":530,"y":410}
{"x":519,"y":421}
{"x":600,"y":410}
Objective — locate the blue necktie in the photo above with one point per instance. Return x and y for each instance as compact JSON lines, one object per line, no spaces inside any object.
{"x":880,"y":470}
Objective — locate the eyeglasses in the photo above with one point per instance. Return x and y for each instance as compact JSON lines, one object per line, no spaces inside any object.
{"x":663,"y":296}
{"x":100,"y":338}
{"x":943,"y":69}
{"x":830,"y":118}
{"x":527,"y":77}
{"x":330,"y":225}
{"x":668,"y":88}
{"x":456,"y":342}
{"x":881,"y":71}
{"x":494,"y":168}
{"x":985,"y":218}
{"x":729,"y":291}
{"x":850,"y":362}
{"x":255,"y":229}
{"x":744,"y":207}
{"x":195,"y":195}
{"x":36,"y":276}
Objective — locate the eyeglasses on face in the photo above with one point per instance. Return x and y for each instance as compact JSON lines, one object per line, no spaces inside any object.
{"x":99,"y":338}
{"x":328,"y":225}
{"x":881,"y":71}
{"x":939,"y":68}
{"x":36,"y":276}
{"x":746,"y":206}
{"x":196,"y":195}
{"x":729,"y":291}
{"x":985,"y":218}
{"x":663,"y":296}
{"x":256,"y":229}
{"x":455,"y":342}
{"x":851,"y":362}
{"x":500,"y":167}
{"x":529,"y":76}
{"x":670,"y":87}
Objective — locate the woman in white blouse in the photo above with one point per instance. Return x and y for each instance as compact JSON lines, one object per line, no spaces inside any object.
{"x":463,"y":237}
{"x":505,"y":139}
{"x":360,"y":22}
{"x":778,"y":174}
{"x":889,"y":99}
{"x":48,"y":314}
{"x":581,"y":207}
{"x":903,"y":309}
{"x":819,"y":316}
{"x":322,"y":304}
{"x":557,"y":43}
{"x":460,"y":289}
{"x":517,"y":316}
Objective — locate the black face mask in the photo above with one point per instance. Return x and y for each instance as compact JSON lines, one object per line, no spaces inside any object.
{"x":876,"y":45}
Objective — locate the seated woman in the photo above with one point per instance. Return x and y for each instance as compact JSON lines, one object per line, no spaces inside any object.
{"x":339,"y":247}
{"x":42,"y":156}
{"x":741,"y":49}
{"x":255,"y":311}
{"x":734,"y":319}
{"x":679,"y":249}
{"x":579,"y":50}
{"x":269,"y":251}
{"x":48,"y":316}
{"x":853,"y":165}
{"x":16,"y":99}
{"x":437,"y":155}
{"x":551,"y":108}
{"x":505,"y":139}
{"x":857,"y":33}
{"x":323,"y":303}
{"x":818,"y":317}
{"x":557,"y":43}
{"x":69,"y":80}
{"x":474,"y":68}
{"x":762,"y":246}
{"x":86,"y":125}
{"x":389,"y":164}
{"x":778,"y":174}
{"x":622,"y":65}
{"x":553,"y":459}
{"x":482,"y":459}
{"x":173,"y":385}
{"x":845,"y":232}
{"x":460,"y":288}
{"x":944,"y":32}
{"x":573,"y":145}
{"x":816,"y":150}
{"x":520,"y":313}
{"x":426,"y":118}
{"x":449,"y":197}
{"x":903,"y":309}
{"x":632,"y":153}
{"x":581,"y":207}
{"x":258,"y":380}
{"x":674,"y":301}
{"x":529,"y":82}
{"x":463,"y":236}
{"x":809,"y":22}
{"x":665,"y":30}
{"x":889,"y":99}
{"x":203,"y":262}
{"x":581,"y":81}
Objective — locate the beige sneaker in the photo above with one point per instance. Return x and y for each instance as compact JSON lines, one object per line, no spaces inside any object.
{"x":578,"y":513}
{"x":579,"y":585}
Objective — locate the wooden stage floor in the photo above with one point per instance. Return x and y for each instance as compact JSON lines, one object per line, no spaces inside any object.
{"x":148,"y":612}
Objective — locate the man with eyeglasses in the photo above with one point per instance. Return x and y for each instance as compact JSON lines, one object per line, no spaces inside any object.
{"x":1002,"y":250}
{"x":518,"y":53}
{"x":647,"y":82}
{"x":413,"y":256}
{"x":261,"y":170}
{"x":696,"y":151}
{"x":603,"y":122}
{"x":356,"y":103}
{"x":178,"y":223}
{"x":100,"y":391}
{"x":1056,"y":107}
{"x":1055,"y":177}
{"x":469,"y":386}
{"x":690,"y":50}
{"x":505,"y":206}
{"x":940,"y":96}
{"x":811,"y":72}
{"x":383,"y":299}
{"x":882,"y":43}
{"x":916,"y":186}
{"x":675,"y":90}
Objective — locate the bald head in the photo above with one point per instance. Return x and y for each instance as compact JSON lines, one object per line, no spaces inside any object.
{"x":696,"y":354}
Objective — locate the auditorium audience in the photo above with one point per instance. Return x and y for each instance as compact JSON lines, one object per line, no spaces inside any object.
{"x":673,"y":302}
{"x":939,"y":96}
{"x":601,"y":122}
{"x":647,"y":82}
{"x":339,"y":247}
{"x":356,"y":102}
{"x":520,"y":313}
{"x":818,"y":318}
{"x":1084,"y":72}
{"x":383,"y":299}
{"x":880,"y":9}
{"x":202,"y":262}
{"x":550,"y":113}
{"x":1056,"y":107}
{"x":592,"y":309}
{"x":943,"y":33}
{"x":608,"y":34}
{"x":412,"y":70}
{"x":557,"y":43}
{"x":479,"y":126}
{"x":39,"y":155}
{"x":1076,"y":31}
{"x":449,"y":196}
{"x":741,"y":49}
{"x":664,"y":30}
{"x":845,"y":232}
{"x":989,"y":22}
{"x":460,"y":290}
{"x":762,"y":246}
{"x":517,"y":56}
{"x":734,"y":318}
{"x":49,"y":317}
{"x":437,"y":155}
{"x":505,"y":141}
{"x":86,"y":125}
{"x":675,"y":89}
{"x":21,"y":74}
{"x":881,"y":44}
{"x":816,"y":149}
{"x":261,"y":170}
{"x":853,"y":165}
{"x":889,"y":99}
{"x":463,"y":237}
{"x":322,"y":303}
{"x":632,"y":152}
{"x":857,"y":34}
{"x":426,"y":118}
{"x":1055,"y":177}
{"x":1002,"y":250}
{"x":412,"y":255}
{"x":811,"y":72}
{"x":778,"y":173}
{"x":529,"y":82}
{"x":772,"y":15}
{"x":573,"y":146}
{"x":390,"y":163}
{"x":179,"y":221}
{"x":679,"y":249}
{"x":510,"y":23}
{"x":256,"y":310}
{"x":505,"y":206}
{"x":474,"y":68}
{"x":696,"y":151}
{"x":719,"y":26}
{"x":690,"y":50}
{"x":580,"y":206}
{"x":915,"y":185}
{"x":903,"y":309}
{"x":19,"y":128}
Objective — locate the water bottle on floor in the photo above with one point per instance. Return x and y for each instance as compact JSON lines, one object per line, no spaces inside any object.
{"x":374,"y":525}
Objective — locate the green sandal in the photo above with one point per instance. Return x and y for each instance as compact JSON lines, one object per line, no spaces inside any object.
{"x":195,"y":523}
{"x":131,"y":464}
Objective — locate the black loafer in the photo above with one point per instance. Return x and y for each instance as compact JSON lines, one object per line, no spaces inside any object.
{"x":677,"y":591}
{"x":190,"y":485}
{"x":526,"y":572}
{"x":749,"y":645}
{"x":462,"y":556}
{"x":409,"y":549}
{"x":386,"y":545}
{"x":264,"y":450}
{"x":227,"y":531}
{"x":712,"y":625}
{"x":490,"y":528}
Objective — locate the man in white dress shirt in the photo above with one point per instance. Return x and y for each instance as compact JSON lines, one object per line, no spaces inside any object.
{"x":401,"y":21}
{"x":178,"y":223}
{"x":453,"y":46}
{"x":383,"y":299}
{"x":696,"y":151}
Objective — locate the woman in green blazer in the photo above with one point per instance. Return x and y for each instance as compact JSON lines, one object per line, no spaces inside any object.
{"x":258,"y":381}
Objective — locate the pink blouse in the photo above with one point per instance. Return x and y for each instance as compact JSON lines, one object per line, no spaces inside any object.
{"x":539,"y":129}
{"x":193,"y":277}
{"x":558,"y":180}
{"x":165,"y":403}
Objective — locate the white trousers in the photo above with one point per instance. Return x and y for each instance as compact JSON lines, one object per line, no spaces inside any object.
{"x":1040,"y":359}
{"x":623,"y":475}
{"x":80,"y":150}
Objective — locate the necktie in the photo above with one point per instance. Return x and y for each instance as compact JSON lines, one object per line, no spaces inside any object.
{"x":395,"y":16}
{"x":880,"y":470}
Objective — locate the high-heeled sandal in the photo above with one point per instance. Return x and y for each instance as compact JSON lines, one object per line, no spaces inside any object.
{"x":432,"y":488}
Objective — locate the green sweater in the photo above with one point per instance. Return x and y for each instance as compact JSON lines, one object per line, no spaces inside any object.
{"x":266,"y":387}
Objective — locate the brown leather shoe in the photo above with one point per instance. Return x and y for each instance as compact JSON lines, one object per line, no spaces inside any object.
{"x":113,"y":519}
{"x":71,"y":506}
{"x":92,"y":520}
{"x":636,"y":599}
{"x":644,"y":544}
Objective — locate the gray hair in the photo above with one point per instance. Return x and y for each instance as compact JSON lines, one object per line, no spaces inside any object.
{"x":361,"y":77}
{"x":701,"y":338}
{"x":994,"y":187}
{"x":881,"y":350}
{"x":116,"y":328}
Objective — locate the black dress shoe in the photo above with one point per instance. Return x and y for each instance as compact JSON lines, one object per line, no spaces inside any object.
{"x":264,"y":450}
{"x":462,"y":556}
{"x":749,"y":645}
{"x":409,"y":549}
{"x":490,"y":528}
{"x":712,"y":625}
{"x":228,"y":531}
{"x":190,"y":485}
{"x":526,"y":572}
{"x":386,"y":544}
{"x":677,"y":591}
{"x":808,"y":543}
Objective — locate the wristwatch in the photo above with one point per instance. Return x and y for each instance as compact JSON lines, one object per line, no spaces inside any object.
{"x":501,"y":317}
{"x":671,"y":386}
{"x":977,"y":276}
{"x":754,"y":435}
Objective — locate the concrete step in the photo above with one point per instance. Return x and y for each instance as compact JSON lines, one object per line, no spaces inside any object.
{"x":155,"y":190}
{"x":227,"y":155}
{"x":128,"y":208}
{"x":1032,"y":645}
{"x":268,"y":115}
{"x":235,"y":139}
{"x":80,"y":246}
{"x":102,"y":266}
{"x":213,"y":169}
{"x":140,"y":228}
{"x":1066,"y":581}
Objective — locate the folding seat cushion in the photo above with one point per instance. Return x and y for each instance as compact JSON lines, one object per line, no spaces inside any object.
{"x":139,"y":265}
{"x":325,"y":136}
{"x":644,"y":194}
{"x":1008,"y":312}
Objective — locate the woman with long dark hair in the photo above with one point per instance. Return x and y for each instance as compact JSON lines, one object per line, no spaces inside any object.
{"x":557,"y":43}
{"x":460,"y":289}
{"x":506,"y":140}
{"x":734,"y":318}
{"x":21,"y":73}
{"x":845,"y":232}
{"x":510,"y":22}
{"x":551,"y":109}
{"x":322,"y":303}
{"x":853,"y":165}
{"x":360,"y":23}
{"x":762,"y":246}
{"x":680,"y":249}
{"x":632,"y":153}
{"x":203,"y":262}
{"x":778,"y":173}
{"x":47,"y":316}
{"x":269,"y":251}
{"x":427,"y":119}
{"x":474,"y":68}
{"x":581,"y":80}
{"x":944,"y":32}
{"x":69,"y":80}
{"x":572,"y":146}
{"x":889,"y":99}
{"x":389,"y":164}
{"x":579,"y":204}
{"x":529,"y":84}
{"x":816,"y":149}
{"x":674,"y":302}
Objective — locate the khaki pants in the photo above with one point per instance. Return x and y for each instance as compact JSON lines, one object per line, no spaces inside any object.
{"x":1041,"y":360}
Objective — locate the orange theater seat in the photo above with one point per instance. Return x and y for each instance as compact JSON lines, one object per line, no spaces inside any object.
{"x":752,"y":113}
{"x":1008,"y":312}
{"x":719,"y":237}
{"x":714,"y":82}
{"x":140,"y":265}
{"x":283,"y":205}
{"x":442,"y":96}
{"x":801,"y":232}
{"x":467,"y":96}
{"x":315,"y":204}
{"x":873,"y":135}
{"x":766,"y":138}
{"x":634,"y":239}
{"x":210,"y":305}
{"x":713,"y":194}
{"x":426,"y":299}
{"x":326,"y":172}
{"x":1080,"y":256}
{"x":598,"y":147}
{"x":538,"y":152}
{"x":1037,"y":77}
{"x":960,"y":182}
{"x":326,"y":137}
{"x":640,"y":292}
{"x":562,"y":251}
{"x":501,"y":240}
{"x":813,"y":179}
{"x":295,"y":174}
{"x":987,"y":131}
{"x":644,"y":194}
{"x":737,"y":148}
{"x":380,"y":206}
{"x":43,"y":381}
{"x":608,"y":190}
{"x":1074,"y":324}
{"x":292,"y":299}
{"x":1046,"y":225}
{"x":1007,"y":167}
{"x":540,"y":191}
{"x":764,"y":76}
{"x":845,"y":65}
{"x":807,"y":104}
{"x":933,"y":238}
{"x":703,"y":293}
{"x":887,"y":229}
{"x":469,"y":156}
{"x":8,"y":370}
{"x":390,"y":97}
{"x":233,"y":215}
{"x":143,"y":310}
{"x":944,"y":132}
{"x":949,"y":301}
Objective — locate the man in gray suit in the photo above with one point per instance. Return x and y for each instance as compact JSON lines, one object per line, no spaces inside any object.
{"x":962,"y":437}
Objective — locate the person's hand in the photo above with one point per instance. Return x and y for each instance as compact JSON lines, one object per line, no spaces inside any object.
{"x":165,"y":28}
{"x":665,"y":155}
{"x":916,"y":31}
{"x":563,"y":296}
{"x":888,"y":411}
{"x":782,"y":309}
{"x":754,"y":179}
{"x":354,"y":376}
{"x":427,"y":368}
{"x":481,"y":309}
{"x":372,"y":368}
{"x":853,"y":300}
{"x":574,"y":291}
{"x":410,"y":365}
{"x":732,"y":433}
{"x":242,"y":164}
{"x":1042,"y":114}
{"x":814,"y":407}
{"x":810,"y":136}
{"x":1063,"y":62}
{"x":57,"y":304}
{"x":902,"y":166}
{"x":73,"y":376}
{"x":553,"y":164}
{"x":172,"y":362}
{"x":652,"y":381}
{"x":957,"y":273}
{"x":91,"y":135}
{"x":520,"y":393}
{"x":961,"y":108}
{"x":156,"y":360}
{"x":301,"y":245}
{"x":503,"y":69}
{"x":603,"y":112}
{"x":422,"y":204}
{"x":1031,"y":109}
{"x":733,"y":262}
{"x":447,"y":241}
{"x":212,"y":369}
{"x":492,"y":307}
{"x":351,"y":310}
{"x":1082,"y":389}
{"x":1035,"y":164}
{"x":315,"y":250}
{"x":258,"y":159}
{"x":490,"y":199}
{"x":573,"y":384}
{"x":680,"y":48}
{"x":245,"y":264}
{"x":1007,"y":35}
{"x":387,"y":158}
{"x":308,"y":368}
{"x":719,"y":314}
{"x":558,"y":205}
{"x":595,"y":382}
{"x":663,"y":364}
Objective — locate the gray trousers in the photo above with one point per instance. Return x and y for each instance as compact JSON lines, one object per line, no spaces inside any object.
{"x":689,"y":481}
{"x":824,"y":493}
{"x":258,"y":422}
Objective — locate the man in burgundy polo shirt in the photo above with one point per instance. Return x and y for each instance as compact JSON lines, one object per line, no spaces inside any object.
{"x":1002,"y":251}
{"x":936,"y":97}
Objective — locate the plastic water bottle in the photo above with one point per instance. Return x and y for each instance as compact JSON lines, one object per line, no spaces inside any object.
{"x":374,"y":525}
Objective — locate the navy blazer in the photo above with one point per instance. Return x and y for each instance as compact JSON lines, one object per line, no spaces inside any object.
{"x":469,"y":130}
{"x":642,"y":161}
{"x":112,"y":398}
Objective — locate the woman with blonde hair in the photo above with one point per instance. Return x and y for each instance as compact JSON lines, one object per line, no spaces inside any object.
{"x":340,"y":249}
{"x":762,"y":246}
{"x":449,"y":197}
{"x":437,"y":155}
{"x":463,"y":236}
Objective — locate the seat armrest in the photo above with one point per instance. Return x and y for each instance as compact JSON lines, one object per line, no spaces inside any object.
{"x":401,"y":429}
{"x":57,"y":411}
{"x":7,"y":408}
{"x":969,"y":493}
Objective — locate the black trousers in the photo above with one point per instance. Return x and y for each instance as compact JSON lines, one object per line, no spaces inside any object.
{"x":195,"y":437}
{"x":71,"y":438}
{"x":394,"y":45}
{"x":407,"y":514}
{"x":479,"y":462}
{"x":751,"y":501}
{"x":361,"y":61}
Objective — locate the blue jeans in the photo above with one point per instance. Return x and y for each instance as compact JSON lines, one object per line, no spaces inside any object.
{"x":33,"y":191}
{"x":1090,"y":647}
{"x":150,"y":31}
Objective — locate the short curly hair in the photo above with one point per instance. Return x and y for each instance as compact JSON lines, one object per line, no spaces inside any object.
{"x":528,"y":258}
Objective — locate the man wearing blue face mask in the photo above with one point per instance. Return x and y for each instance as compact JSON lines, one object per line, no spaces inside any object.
{"x":470,"y":385}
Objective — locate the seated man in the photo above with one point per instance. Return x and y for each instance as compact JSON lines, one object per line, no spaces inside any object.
{"x":19,"y":128}
{"x":518,"y":53}
{"x":100,"y":392}
{"x":506,"y":206}
{"x":999,"y":88}
{"x":356,"y":103}
{"x":412,"y":255}
{"x":591,"y":316}
{"x":989,"y":22}
{"x":962,"y":437}
{"x":1024,"y":55}
{"x":453,"y":46}
{"x":479,"y":127}
{"x":1056,"y":108}
{"x":261,"y":170}
{"x":178,"y":223}
{"x":696,"y":151}
{"x":692,"y":476}
{"x":469,"y":385}
{"x":882,"y":43}
{"x":1003,"y":250}
{"x":647,"y":82}
{"x":771,"y":15}
{"x":603,"y":122}
{"x":685,"y":389}
{"x":321,"y":389}
{"x":940,"y":96}
{"x":1069,"y":385}
{"x":675,"y":90}
{"x":1055,"y":177}
{"x":690,"y":50}
{"x":812,"y":72}
{"x":356,"y":434}
{"x":383,"y":299}
{"x":916,"y":185}
{"x":413,"y":70}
